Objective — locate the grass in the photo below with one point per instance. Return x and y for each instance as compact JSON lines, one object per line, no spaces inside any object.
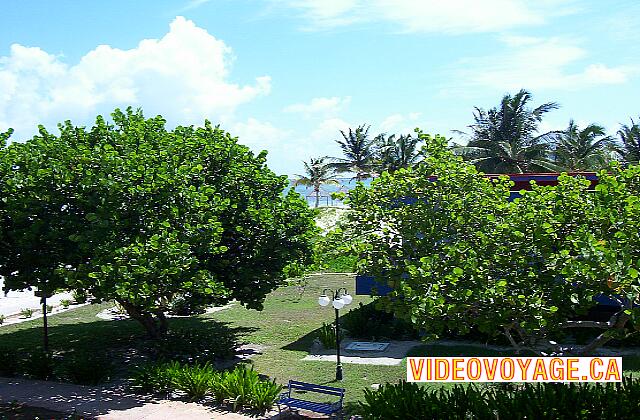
{"x":285,"y":328}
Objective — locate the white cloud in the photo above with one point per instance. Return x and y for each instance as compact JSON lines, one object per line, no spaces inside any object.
{"x":401,"y":123}
{"x":319,"y":107}
{"x":537,"y":63}
{"x":184,"y":76}
{"x":452,"y":16}
{"x":260,"y":135}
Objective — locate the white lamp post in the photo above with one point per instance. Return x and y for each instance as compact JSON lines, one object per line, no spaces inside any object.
{"x":341,"y":298}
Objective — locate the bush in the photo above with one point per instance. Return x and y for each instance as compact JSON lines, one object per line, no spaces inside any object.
{"x":80,"y":296}
{"x":1,"y":319}
{"x":39,"y":365}
{"x":26,"y":313}
{"x":327,"y":335}
{"x":196,"y":346}
{"x":196,"y":380}
{"x":155,"y":377}
{"x":370,"y":323}
{"x":9,"y":364}
{"x":88,"y":369}
{"x":522,"y":401}
{"x":65,"y":303}
{"x":241,"y":387}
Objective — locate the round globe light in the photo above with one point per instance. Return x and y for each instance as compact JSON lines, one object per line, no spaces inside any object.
{"x":347,"y":299}
{"x":324,"y":300}
{"x":338,"y":303}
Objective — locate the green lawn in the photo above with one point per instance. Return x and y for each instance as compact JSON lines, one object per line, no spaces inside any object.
{"x":286,"y":327}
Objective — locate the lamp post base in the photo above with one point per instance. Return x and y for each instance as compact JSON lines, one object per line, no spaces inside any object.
{"x":339,"y":372}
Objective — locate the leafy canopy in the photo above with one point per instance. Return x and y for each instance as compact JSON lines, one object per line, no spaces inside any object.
{"x":135,"y":213}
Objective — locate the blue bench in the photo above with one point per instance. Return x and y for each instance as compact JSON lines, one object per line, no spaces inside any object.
{"x":328,"y":408}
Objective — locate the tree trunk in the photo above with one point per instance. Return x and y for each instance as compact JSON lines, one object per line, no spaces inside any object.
{"x":155,"y":326}
{"x":317,"y":191}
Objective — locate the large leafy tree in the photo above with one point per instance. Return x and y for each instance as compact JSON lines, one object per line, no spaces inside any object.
{"x":583,"y":149}
{"x":629,"y":135}
{"x":138,"y":214}
{"x":317,"y":173}
{"x":359,"y":152}
{"x":396,"y":152}
{"x":460,"y":255}
{"x":506,"y":139}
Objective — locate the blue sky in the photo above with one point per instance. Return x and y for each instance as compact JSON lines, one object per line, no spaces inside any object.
{"x":287,"y":75}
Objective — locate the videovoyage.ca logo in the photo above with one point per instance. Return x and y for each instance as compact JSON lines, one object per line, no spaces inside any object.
{"x":514,"y":369}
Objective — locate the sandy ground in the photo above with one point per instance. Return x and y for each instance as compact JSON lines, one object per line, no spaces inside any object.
{"x":15,"y":301}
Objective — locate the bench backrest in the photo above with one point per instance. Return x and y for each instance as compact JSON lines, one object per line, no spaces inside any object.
{"x":321,"y":389}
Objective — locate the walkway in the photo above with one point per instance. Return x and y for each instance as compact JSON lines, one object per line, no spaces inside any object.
{"x":105,"y":403}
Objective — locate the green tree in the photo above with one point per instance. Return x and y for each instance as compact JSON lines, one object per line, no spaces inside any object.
{"x":142,"y":215}
{"x":359,"y":153}
{"x":629,"y":135}
{"x":317,"y":173}
{"x":506,"y":139}
{"x":459,"y":255}
{"x":584,"y":149}
{"x":396,"y":152}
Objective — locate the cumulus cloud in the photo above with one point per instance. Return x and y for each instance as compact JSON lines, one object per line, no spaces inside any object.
{"x":452,"y":16}
{"x":184,"y":76}
{"x":537,"y":63}
{"x":319,"y":107}
{"x":401,"y":123}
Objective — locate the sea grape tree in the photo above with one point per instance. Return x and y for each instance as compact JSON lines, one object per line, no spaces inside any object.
{"x":147,"y":214}
{"x":460,"y":255}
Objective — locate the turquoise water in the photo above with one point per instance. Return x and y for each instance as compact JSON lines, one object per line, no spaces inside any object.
{"x":346,"y":184}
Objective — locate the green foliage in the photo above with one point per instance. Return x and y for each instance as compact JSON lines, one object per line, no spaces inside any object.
{"x":526,"y":401}
{"x":240,"y":387}
{"x":39,"y":365}
{"x":505,"y":139}
{"x":80,"y":296}
{"x":317,"y":173}
{"x":9,"y":362}
{"x":367,"y":322}
{"x":155,"y":377}
{"x":327,"y":335}
{"x":459,"y":254}
{"x":87,"y":368}
{"x":138,"y":214}
{"x":2,"y":319}
{"x":195,"y":380}
{"x":191,"y":345}
{"x":26,"y":312}
{"x":65,"y":303}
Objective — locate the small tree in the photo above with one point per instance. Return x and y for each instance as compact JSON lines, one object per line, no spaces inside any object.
{"x":141,"y":215}
{"x":460,"y":255}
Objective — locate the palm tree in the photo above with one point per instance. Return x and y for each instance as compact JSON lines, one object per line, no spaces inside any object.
{"x":359,"y":153}
{"x":317,"y":173}
{"x":506,"y":139}
{"x":397,"y":152}
{"x":630,"y":139}
{"x":580,"y":150}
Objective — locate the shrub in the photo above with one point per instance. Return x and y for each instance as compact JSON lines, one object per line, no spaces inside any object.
{"x":65,"y":303}
{"x":80,"y":296}
{"x":196,"y":346}
{"x":49,"y":309}
{"x":26,"y":313}
{"x":39,"y":365}
{"x":524,"y":401}
{"x":155,"y":377}
{"x":368,"y":322}
{"x":264,"y":395}
{"x":1,"y":319}
{"x":327,"y":335}
{"x":88,"y":369}
{"x":195,"y":380}
{"x":238,"y":386}
{"x":9,"y":364}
